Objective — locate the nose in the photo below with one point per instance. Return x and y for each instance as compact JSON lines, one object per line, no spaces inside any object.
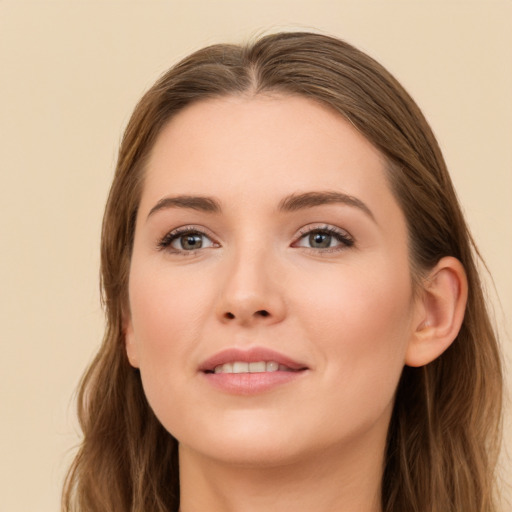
{"x":251,"y":292}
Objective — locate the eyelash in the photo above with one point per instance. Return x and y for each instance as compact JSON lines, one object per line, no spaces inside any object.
{"x":169,"y":238}
{"x":340,"y":235}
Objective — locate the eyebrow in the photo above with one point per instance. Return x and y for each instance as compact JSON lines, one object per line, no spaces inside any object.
{"x":310,"y":199}
{"x":202,"y":204}
{"x":291,"y":203}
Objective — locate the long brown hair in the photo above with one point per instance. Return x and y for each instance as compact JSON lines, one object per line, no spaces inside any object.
{"x":443,"y":438}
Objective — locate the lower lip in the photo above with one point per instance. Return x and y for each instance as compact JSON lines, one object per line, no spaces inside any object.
{"x":251,"y":383}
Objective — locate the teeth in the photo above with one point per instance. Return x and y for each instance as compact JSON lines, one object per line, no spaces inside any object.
{"x":239,"y":367}
{"x":255,"y":367}
{"x":272,"y":366}
{"x":258,"y":367}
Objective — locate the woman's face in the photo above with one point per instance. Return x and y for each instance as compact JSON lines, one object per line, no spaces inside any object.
{"x":268,"y":243}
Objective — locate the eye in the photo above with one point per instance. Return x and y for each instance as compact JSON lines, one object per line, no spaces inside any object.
{"x":324,"y":238}
{"x":186,"y":239}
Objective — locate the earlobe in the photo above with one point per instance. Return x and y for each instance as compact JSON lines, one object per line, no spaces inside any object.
{"x":129,"y":342}
{"x":441,"y":307}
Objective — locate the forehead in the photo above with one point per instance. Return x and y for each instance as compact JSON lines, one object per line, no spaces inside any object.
{"x":237,"y":146}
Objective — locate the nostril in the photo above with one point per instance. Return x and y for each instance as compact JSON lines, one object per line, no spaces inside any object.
{"x":262,"y":312}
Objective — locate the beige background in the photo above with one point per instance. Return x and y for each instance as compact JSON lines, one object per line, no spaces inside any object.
{"x":70,"y":74}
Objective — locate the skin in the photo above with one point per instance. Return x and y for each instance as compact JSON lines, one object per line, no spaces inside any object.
{"x":347,"y":312}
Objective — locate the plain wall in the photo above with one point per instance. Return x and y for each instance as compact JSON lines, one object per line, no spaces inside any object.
{"x":71,"y":72}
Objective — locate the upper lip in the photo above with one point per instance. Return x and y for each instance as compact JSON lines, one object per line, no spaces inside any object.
{"x":250,"y":355}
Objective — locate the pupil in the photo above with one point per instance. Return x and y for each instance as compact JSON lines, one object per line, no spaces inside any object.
{"x":191,"y":242}
{"x":320,"y":240}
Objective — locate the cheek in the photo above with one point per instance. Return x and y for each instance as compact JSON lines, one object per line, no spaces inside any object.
{"x":364,"y":296}
{"x":361,"y":320}
{"x":166,"y":316}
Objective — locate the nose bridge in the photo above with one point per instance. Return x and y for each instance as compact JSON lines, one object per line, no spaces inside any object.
{"x":250,"y":289}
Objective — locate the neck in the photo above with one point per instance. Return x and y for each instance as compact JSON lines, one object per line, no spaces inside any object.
{"x":321,"y":483}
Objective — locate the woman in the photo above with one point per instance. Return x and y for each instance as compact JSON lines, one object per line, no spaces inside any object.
{"x":294,"y":316}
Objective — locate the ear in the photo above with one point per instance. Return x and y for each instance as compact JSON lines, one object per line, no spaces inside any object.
{"x":440,"y":312}
{"x":129,"y":340}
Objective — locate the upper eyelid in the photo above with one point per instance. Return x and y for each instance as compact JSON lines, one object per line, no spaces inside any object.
{"x":305,"y":230}
{"x":190,"y":228}
{"x":321,"y":226}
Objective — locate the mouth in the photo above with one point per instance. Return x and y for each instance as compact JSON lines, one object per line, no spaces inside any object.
{"x":252,"y":360}
{"x":250,"y":371}
{"x":252,"y":367}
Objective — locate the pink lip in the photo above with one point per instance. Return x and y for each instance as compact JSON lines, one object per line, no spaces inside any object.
{"x":250,"y":383}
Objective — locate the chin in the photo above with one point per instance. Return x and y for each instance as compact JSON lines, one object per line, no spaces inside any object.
{"x":248,"y":454}
{"x":245,"y":443}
